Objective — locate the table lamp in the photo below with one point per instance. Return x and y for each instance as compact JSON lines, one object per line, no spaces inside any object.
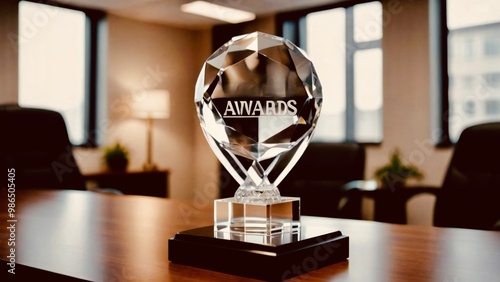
{"x":154,"y":104}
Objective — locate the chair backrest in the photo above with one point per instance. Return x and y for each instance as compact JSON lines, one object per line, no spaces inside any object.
{"x":35,"y":143}
{"x":329,"y":162}
{"x":319,"y":177}
{"x":470,"y":195}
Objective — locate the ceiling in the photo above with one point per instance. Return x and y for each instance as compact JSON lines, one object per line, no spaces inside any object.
{"x":169,"y":12}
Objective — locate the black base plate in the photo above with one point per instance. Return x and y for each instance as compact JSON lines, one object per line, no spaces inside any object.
{"x":305,"y":252}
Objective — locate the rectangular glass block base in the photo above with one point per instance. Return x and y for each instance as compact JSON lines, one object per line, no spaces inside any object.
{"x":256,"y":218}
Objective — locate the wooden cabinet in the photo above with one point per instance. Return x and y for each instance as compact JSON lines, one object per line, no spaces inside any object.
{"x":147,"y":183}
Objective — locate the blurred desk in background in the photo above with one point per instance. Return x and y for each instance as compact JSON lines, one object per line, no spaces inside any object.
{"x":145,"y":183}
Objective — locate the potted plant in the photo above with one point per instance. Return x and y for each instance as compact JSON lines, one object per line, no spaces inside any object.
{"x":395,"y":173}
{"x":116,"y":157}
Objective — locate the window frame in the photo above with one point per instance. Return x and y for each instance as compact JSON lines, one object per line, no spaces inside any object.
{"x":443,"y":110}
{"x":295,"y":22}
{"x":94,"y":18}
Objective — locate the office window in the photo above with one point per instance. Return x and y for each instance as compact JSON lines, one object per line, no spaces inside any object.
{"x":492,"y":80}
{"x":492,"y":46}
{"x":344,"y":43}
{"x":462,"y":49}
{"x":56,"y":70}
{"x":473,"y":64}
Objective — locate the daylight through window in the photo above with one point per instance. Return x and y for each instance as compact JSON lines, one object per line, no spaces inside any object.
{"x":52,"y":63}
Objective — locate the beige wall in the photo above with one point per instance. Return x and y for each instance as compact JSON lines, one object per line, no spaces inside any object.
{"x":407,"y":97}
{"x":8,"y":51}
{"x":266,"y":25}
{"x":407,"y":116}
{"x":148,"y":56}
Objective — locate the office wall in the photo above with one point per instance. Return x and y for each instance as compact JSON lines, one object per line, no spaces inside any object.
{"x":143,"y":56}
{"x":8,"y":51}
{"x":169,"y":58}
{"x":407,"y":98}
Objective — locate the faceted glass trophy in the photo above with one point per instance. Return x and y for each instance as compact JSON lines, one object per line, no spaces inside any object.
{"x":258,"y":100}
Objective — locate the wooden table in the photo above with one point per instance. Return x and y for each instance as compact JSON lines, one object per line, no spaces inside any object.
{"x":102,"y":237}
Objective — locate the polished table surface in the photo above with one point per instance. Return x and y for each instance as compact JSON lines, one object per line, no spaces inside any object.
{"x":102,"y":237}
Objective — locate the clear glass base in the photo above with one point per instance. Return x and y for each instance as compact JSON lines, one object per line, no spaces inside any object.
{"x":231,"y":215}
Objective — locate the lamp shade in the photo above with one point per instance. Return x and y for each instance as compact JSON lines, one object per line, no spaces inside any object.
{"x":153,"y":104}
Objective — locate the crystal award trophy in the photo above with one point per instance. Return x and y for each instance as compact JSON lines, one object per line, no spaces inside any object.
{"x":258,"y":99}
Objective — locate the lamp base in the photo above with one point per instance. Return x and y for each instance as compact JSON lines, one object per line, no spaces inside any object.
{"x":275,"y":257}
{"x":149,"y":167}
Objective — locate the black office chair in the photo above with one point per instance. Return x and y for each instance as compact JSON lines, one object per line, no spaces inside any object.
{"x":35,"y":143}
{"x":319,"y":179}
{"x":470,"y":194}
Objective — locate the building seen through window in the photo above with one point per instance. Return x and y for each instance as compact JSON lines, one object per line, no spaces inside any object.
{"x":473,"y":63}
